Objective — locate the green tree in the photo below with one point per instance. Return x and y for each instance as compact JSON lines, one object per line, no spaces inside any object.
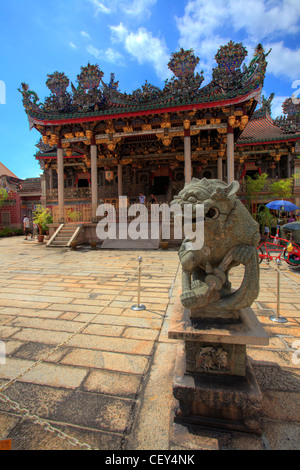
{"x":283,"y":188}
{"x":42,"y":217}
{"x":264,"y":217}
{"x":3,"y":196}
{"x":253,"y":187}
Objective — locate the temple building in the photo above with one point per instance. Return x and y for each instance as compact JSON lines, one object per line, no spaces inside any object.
{"x":98,"y":143}
{"x":23,"y":197}
{"x":270,"y":146}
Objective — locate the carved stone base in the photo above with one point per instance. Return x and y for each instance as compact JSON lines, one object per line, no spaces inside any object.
{"x":214,"y":382}
{"x":219,"y":402}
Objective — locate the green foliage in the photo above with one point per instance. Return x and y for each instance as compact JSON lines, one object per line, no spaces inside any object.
{"x":264,"y":217}
{"x":282,"y":189}
{"x":8,"y":232}
{"x":42,"y":217}
{"x":73,"y":215}
{"x":253,"y":187}
{"x":3,"y":196}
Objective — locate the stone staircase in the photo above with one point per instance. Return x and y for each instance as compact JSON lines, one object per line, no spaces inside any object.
{"x":63,"y":236}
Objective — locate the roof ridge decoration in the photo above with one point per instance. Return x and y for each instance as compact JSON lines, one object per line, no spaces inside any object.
{"x":291,"y":121}
{"x":93,"y":96}
{"x":265,"y":108}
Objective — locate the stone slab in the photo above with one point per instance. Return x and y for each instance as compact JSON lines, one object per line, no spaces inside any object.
{"x":247,"y":331}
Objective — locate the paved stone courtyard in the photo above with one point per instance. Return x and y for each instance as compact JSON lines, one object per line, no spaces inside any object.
{"x":101,"y":373}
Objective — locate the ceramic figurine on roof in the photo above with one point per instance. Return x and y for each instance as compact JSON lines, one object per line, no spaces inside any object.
{"x":87,"y":94}
{"x":92,"y":94}
{"x":266,"y":103}
{"x":60,"y":99}
{"x":229,"y":59}
{"x":30,"y":99}
{"x":290,"y":122}
{"x":183,"y":64}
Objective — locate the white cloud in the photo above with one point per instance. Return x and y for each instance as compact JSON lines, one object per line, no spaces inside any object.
{"x":283,"y":62}
{"x":100,"y":7}
{"x":85,"y":34}
{"x":94,"y":51}
{"x":137,"y":9}
{"x":144,"y":47}
{"x":113,"y":56}
{"x":119,"y":33}
{"x":206,"y":25}
{"x":71,"y":44}
{"x":276,"y":106}
{"x":109,"y":55}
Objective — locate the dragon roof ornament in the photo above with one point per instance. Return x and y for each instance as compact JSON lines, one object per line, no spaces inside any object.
{"x":93,"y":95}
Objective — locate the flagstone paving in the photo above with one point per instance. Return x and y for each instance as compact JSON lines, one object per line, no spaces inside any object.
{"x":100,"y":372}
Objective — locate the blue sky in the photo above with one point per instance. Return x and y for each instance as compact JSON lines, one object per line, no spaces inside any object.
{"x":133,"y":39}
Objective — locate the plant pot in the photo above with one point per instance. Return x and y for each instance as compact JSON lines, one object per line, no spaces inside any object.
{"x":73,"y":245}
{"x":40,"y":238}
{"x":164,"y":245}
{"x":93,"y":245}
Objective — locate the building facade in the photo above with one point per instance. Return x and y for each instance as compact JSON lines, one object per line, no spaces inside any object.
{"x":98,"y":143}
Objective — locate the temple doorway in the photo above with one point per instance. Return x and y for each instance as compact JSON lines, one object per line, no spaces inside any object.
{"x":83,"y":183}
{"x":161,"y":184}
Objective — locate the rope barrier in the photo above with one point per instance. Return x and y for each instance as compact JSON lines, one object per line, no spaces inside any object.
{"x":278,"y":318}
{"x":139,"y":306}
{"x":26,"y":413}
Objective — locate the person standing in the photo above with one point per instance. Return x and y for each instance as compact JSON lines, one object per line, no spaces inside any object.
{"x":153,"y":199}
{"x":142,"y":198}
{"x":26,"y":226}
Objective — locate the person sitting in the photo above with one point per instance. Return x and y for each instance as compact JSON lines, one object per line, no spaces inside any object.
{"x":291,"y":219}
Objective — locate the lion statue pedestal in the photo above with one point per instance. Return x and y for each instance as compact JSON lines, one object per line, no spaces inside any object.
{"x":214,"y":382}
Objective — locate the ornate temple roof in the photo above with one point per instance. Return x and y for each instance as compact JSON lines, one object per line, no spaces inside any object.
{"x":261,"y":128}
{"x":93,"y":99}
{"x":30,"y":185}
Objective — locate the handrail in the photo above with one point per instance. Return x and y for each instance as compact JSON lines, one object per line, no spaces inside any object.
{"x":74,"y":235}
{"x":55,"y":234}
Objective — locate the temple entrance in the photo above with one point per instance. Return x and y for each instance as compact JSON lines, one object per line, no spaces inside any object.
{"x":161,"y":184}
{"x":83,"y":183}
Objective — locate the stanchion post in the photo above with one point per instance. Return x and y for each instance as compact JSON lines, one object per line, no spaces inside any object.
{"x":278,"y":318}
{"x":139,"y":306}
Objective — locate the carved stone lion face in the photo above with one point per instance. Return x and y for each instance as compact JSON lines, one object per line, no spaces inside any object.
{"x":227,"y":222}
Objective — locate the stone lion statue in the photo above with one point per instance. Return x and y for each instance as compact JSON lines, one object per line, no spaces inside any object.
{"x":231,"y":236}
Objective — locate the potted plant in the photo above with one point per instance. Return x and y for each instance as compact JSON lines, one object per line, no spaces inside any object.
{"x":74,"y":244}
{"x":42,"y":217}
{"x":164,"y":244}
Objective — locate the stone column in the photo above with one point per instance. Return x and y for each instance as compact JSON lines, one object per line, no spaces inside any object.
{"x":120,"y":180}
{"x":60,"y":183}
{"x":230,"y":154}
{"x":94,"y":181}
{"x":187,"y":154}
{"x":43,"y":184}
{"x":51,"y":178}
{"x":289,"y":159}
{"x":220,"y":168}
